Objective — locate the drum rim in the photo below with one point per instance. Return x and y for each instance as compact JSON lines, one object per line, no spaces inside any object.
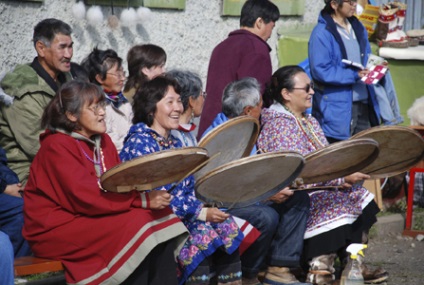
{"x":164,"y":154}
{"x":407,"y":129}
{"x":246,"y":160}
{"x":233,"y":121}
{"x":340,"y":173}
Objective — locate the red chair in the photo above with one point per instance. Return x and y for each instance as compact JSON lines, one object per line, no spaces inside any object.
{"x":410,"y":203}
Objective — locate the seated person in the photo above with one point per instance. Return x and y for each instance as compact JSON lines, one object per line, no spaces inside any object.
{"x":99,"y":236}
{"x":337,"y":218}
{"x":6,"y":260}
{"x":282,"y":219}
{"x":104,"y":68}
{"x":145,"y":62}
{"x":11,"y":208}
{"x":214,"y":236}
{"x":192,"y":98}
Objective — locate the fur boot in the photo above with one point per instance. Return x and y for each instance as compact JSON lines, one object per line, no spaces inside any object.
{"x":387,"y":27}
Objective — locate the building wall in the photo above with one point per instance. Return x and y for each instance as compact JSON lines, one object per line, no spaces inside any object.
{"x":187,"y":36}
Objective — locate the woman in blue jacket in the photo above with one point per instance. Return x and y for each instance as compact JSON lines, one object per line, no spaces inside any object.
{"x":343,"y":104}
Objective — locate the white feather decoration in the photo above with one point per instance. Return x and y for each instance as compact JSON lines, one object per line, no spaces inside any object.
{"x":128,"y":16}
{"x":95,"y":15}
{"x":144,"y":14}
{"x":78,"y":10}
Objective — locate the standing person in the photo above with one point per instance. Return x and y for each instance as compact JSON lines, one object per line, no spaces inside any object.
{"x":281,"y":219}
{"x":214,"y":236}
{"x":192,"y":98}
{"x":145,"y":62}
{"x":337,"y":218}
{"x":100,"y":237}
{"x":104,"y":68}
{"x":343,"y":104}
{"x":244,"y":53}
{"x":30,"y":87}
{"x":11,"y":207}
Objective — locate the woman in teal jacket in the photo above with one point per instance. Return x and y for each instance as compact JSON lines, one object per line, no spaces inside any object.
{"x":342,"y":104}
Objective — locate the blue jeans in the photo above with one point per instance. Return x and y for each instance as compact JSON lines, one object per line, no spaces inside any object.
{"x":12,"y":221}
{"x":6,"y":260}
{"x":282,"y":228}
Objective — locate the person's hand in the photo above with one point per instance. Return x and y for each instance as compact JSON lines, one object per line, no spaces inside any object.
{"x":282,"y":196}
{"x":215,"y":215}
{"x":159,"y":199}
{"x":14,"y":190}
{"x":354,"y":178}
{"x":363,"y":72}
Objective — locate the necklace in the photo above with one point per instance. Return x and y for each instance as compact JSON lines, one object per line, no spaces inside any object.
{"x":161,"y":141}
{"x":307,"y":129}
{"x":97,"y":160}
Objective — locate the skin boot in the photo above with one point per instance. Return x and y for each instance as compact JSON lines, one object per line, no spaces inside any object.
{"x":387,"y":27}
{"x":401,"y":13}
{"x":321,"y":269}
{"x":377,"y":275}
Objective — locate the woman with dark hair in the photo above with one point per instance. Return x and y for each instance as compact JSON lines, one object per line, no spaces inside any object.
{"x":343,"y":104}
{"x":214,"y":236}
{"x":337,"y":218}
{"x":192,"y":98}
{"x":100,"y":237}
{"x":104,"y":68}
{"x":145,"y":62}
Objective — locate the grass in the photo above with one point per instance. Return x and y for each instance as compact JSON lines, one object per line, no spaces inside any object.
{"x":400,"y":208}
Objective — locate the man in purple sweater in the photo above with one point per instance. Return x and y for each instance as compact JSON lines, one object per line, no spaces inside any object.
{"x":244,"y":53}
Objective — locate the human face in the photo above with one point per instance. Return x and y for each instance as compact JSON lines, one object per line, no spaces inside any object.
{"x":266,"y":30}
{"x":255,"y":111}
{"x":57,"y":57}
{"x":197,"y":104}
{"x":347,"y":9}
{"x":115,"y":79}
{"x":92,"y":119}
{"x":154,"y":71}
{"x":300,"y":99}
{"x":168,"y":111}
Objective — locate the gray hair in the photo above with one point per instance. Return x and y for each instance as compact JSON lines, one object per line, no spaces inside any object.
{"x":190,"y":83}
{"x":240,"y":94}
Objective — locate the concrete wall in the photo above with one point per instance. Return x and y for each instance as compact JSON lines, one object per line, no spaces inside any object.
{"x":187,"y":36}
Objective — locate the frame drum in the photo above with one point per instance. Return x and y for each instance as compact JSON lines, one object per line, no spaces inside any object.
{"x":339,"y":160}
{"x":400,"y":149}
{"x":229,"y":141}
{"x":153,"y":170}
{"x":248,"y":180}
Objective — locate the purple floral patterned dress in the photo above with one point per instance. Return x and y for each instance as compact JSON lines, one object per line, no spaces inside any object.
{"x":205,"y":237}
{"x":329,"y":209}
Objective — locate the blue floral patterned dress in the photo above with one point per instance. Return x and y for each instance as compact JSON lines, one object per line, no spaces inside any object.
{"x":205,"y":237}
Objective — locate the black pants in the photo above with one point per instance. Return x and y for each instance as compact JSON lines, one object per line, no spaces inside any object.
{"x":158,"y":268}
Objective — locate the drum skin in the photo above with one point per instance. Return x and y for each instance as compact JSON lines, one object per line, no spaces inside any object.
{"x":339,"y":160}
{"x":229,"y":141}
{"x":400,"y":149}
{"x":248,"y":180}
{"x":153,"y":170}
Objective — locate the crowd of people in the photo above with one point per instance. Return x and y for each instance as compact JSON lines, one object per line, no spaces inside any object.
{"x":62,"y":125}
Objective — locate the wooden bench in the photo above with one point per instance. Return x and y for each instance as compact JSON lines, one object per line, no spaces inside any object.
{"x":29,"y":265}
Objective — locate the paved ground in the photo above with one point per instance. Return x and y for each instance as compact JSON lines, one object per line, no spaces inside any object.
{"x":402,"y":257}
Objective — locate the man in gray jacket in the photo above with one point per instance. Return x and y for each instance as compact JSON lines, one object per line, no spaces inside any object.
{"x":27,"y":91}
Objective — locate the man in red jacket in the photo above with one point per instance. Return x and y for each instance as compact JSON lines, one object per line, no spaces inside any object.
{"x":244,"y":53}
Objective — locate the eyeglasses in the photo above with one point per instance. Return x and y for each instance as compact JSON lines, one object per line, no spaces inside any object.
{"x":96,"y":108}
{"x":351,"y":2}
{"x":204,"y":94}
{"x":307,"y":88}
{"x":119,"y":74}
